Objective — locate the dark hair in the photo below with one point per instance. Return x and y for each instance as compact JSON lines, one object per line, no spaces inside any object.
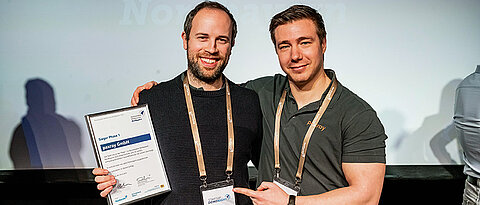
{"x":187,"y":25}
{"x":298,"y":12}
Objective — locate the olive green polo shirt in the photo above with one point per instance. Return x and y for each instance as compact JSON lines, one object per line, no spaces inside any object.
{"x":349,"y":132}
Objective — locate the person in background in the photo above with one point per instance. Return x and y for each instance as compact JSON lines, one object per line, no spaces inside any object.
{"x":467,"y":122}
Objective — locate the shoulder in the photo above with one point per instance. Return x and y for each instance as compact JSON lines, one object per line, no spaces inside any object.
{"x":471,"y":81}
{"x":352,"y":107}
{"x":362,"y":131}
{"x":267,"y":82}
{"x":351,"y":101}
{"x":242,"y":93}
{"x":166,"y":88}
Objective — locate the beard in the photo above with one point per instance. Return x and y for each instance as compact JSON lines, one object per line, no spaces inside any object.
{"x":199,"y":73}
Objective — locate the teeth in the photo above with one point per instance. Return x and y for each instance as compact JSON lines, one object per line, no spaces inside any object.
{"x":298,"y":67}
{"x":206,"y":60}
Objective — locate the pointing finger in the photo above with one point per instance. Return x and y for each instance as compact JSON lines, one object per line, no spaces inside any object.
{"x":245,"y":191}
{"x":267,"y":185}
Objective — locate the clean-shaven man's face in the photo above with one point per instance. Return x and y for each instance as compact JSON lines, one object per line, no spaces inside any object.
{"x":299,"y":50}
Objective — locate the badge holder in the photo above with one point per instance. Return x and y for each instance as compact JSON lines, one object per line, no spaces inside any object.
{"x":286,"y":186}
{"x":218,"y":193}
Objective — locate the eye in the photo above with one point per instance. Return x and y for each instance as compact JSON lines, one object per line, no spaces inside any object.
{"x":305,"y":43}
{"x":202,"y":38}
{"x":222,"y":40}
{"x":283,"y":46}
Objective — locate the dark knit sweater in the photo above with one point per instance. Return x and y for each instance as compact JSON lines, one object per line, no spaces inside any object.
{"x":168,"y":110}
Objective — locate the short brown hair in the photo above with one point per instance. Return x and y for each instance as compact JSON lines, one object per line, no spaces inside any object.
{"x":298,"y":12}
{"x":187,"y":25}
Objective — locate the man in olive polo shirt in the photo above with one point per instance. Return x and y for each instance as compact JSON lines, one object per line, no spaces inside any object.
{"x":345,"y":159}
{"x":348,"y":136}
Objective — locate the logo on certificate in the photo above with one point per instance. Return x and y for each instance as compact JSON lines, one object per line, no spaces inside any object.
{"x":138,"y":117}
{"x":121,"y":198}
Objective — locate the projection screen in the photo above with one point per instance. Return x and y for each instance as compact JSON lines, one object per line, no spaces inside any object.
{"x":61,"y":60}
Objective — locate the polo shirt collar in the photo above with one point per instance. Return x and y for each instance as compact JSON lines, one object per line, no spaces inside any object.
{"x":314,"y":106}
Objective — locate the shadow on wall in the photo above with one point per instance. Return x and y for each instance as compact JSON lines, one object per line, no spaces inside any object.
{"x":44,"y":139}
{"x":394,"y":123}
{"x":428,"y":143}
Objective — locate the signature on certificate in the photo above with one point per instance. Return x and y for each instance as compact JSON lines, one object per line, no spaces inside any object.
{"x":142,"y":180}
{"x":120,"y":186}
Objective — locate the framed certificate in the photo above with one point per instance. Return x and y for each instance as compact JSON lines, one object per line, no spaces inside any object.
{"x":125,"y":144}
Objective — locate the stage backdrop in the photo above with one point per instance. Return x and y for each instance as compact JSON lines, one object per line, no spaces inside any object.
{"x":60,"y":60}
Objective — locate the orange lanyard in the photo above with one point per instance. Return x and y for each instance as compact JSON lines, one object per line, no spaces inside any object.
{"x":196,"y":136}
{"x":308,"y":135}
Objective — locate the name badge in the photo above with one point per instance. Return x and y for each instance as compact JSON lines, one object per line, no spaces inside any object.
{"x":286,"y":186}
{"x":218,"y":193}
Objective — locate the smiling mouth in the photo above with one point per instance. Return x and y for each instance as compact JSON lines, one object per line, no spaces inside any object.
{"x":209,"y":62}
{"x":297,"y":68}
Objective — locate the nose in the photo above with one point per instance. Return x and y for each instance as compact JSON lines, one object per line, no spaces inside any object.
{"x":211,"y":47}
{"x":296,"y":54}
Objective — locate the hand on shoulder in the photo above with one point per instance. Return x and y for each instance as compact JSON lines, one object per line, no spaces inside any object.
{"x":136,"y":93}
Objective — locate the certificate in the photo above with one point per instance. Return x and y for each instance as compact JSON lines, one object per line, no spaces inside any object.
{"x":125,"y":144}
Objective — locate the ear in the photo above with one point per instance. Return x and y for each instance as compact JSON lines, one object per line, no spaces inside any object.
{"x":184,"y":38}
{"x":324,"y":45}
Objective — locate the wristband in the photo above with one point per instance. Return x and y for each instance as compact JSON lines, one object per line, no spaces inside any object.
{"x":291,"y":200}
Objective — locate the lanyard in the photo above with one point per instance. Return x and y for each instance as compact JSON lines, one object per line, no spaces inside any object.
{"x":196,"y":136}
{"x":308,"y":135}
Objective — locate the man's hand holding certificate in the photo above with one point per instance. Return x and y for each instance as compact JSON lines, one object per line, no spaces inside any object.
{"x":126,"y":147}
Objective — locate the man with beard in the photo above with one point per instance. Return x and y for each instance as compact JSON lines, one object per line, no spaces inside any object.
{"x":309,"y":108}
{"x":202,"y":104}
